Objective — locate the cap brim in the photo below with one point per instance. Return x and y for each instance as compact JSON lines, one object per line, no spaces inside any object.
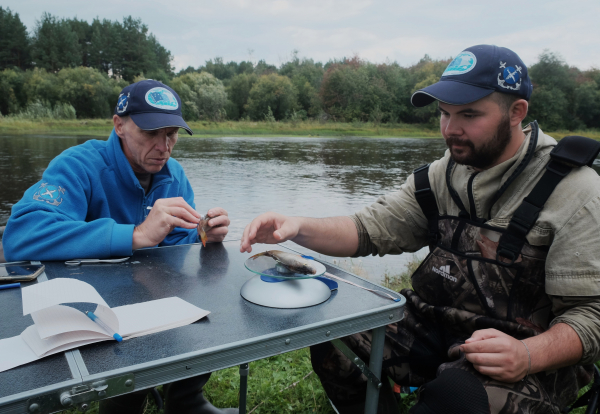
{"x":156,"y":120}
{"x":450,"y":92}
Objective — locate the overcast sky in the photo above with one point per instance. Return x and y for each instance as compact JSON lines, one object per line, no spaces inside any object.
{"x":378,"y":31}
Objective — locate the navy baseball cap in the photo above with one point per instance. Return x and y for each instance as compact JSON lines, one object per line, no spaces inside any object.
{"x":152,"y":105}
{"x":474,"y":74}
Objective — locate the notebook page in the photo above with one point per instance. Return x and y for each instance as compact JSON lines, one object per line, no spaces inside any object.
{"x":56,"y":291}
{"x":42,"y":347}
{"x":14,"y":352}
{"x":59,"y":319}
{"x":156,"y":315}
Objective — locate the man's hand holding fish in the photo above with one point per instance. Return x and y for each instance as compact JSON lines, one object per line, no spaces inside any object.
{"x":168,"y":213}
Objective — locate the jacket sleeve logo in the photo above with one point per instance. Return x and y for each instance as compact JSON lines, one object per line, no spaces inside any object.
{"x":50,"y":194}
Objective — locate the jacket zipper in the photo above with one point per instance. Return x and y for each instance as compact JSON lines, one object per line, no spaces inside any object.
{"x":472,"y":208}
{"x":146,"y":198}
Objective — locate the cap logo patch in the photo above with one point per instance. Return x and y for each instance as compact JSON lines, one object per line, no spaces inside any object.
{"x":122,"y":103}
{"x":161,"y":98}
{"x":509,"y":76}
{"x":463,"y":63}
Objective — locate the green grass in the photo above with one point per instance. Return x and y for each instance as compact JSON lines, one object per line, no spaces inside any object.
{"x":279,"y":384}
{"x":102,"y":127}
{"x":402,"y":280}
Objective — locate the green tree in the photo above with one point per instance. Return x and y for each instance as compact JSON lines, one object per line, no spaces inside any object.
{"x":88,"y":90}
{"x":83,"y":30}
{"x":126,"y":50}
{"x":552,"y":78}
{"x":342,"y":90}
{"x":202,"y":94}
{"x":226,"y":71}
{"x":55,"y":44}
{"x":306,"y":76}
{"x":552,"y":71}
{"x":12,"y":95}
{"x":41,"y":85}
{"x":239,"y":92}
{"x":426,"y":72}
{"x":353,"y":89}
{"x":14,"y":41}
{"x":275,"y":92}
{"x":263,"y":68}
{"x":587,"y":104}
{"x":104,"y":47}
{"x":547,"y":105}
{"x":220,"y":69}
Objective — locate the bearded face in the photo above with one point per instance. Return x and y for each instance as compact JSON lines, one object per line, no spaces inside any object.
{"x":484,"y":155}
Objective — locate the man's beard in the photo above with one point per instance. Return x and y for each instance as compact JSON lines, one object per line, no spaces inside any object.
{"x":489,"y":152}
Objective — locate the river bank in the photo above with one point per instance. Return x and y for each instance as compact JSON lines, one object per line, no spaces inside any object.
{"x":205,"y":129}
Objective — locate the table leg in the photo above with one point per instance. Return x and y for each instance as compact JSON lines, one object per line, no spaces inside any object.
{"x":244,"y":370}
{"x":375,"y":363}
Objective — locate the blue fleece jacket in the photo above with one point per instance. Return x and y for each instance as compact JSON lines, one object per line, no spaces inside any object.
{"x":87,"y":204}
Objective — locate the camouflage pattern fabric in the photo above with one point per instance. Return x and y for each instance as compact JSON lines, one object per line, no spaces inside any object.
{"x":417,"y":350}
{"x":460,"y":288}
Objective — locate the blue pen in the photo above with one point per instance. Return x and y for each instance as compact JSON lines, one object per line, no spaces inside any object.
{"x":104,"y":326}
{"x":10,"y":286}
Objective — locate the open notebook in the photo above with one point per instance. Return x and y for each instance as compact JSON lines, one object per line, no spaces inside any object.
{"x":58,"y":328}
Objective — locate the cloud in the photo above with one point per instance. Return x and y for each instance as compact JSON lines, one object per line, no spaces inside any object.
{"x":377,"y":30}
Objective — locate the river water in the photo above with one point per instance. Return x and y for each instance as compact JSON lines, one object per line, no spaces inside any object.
{"x":315,"y":177}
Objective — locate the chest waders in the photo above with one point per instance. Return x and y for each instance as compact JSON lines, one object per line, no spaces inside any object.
{"x":477,"y":276}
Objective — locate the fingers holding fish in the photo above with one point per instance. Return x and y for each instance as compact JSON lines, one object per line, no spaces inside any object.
{"x":214,"y":226}
{"x":217,"y":217}
{"x":165,"y":215}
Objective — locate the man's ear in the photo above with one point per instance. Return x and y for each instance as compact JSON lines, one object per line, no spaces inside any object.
{"x":518,"y":111}
{"x":118,"y":123}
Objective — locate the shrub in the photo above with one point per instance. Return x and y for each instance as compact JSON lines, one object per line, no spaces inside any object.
{"x":275,"y":92}
{"x":202,"y":94}
{"x":43,"y":110}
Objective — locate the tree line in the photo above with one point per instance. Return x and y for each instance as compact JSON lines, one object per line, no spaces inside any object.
{"x":69,"y":67}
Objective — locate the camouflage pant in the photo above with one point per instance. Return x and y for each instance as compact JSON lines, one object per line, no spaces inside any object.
{"x":416,"y":352}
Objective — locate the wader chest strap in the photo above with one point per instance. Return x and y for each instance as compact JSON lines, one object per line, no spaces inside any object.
{"x":572,"y":151}
{"x":426,"y":201}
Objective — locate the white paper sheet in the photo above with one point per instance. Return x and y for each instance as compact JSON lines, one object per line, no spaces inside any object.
{"x":59,"y":328}
{"x":59,"y":319}
{"x":156,"y":315}
{"x":57,"y":291}
{"x":14,"y":352}
{"x":42,"y":347}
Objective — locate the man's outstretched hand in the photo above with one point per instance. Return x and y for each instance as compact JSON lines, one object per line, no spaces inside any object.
{"x":269,"y":228}
{"x":497,"y":355}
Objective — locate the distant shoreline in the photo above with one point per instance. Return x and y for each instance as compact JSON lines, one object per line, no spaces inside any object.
{"x":205,"y":129}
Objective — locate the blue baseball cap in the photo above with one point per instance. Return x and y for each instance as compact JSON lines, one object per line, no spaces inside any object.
{"x":475,"y":73}
{"x":152,"y":105}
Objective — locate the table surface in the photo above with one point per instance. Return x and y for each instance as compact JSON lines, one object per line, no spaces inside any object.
{"x":210,"y":278}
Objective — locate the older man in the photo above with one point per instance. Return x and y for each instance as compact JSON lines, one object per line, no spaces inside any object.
{"x":109,"y":198}
{"x":504,"y":314}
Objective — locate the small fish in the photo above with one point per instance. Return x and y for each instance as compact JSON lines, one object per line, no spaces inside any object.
{"x":202,"y":227}
{"x":293,"y":262}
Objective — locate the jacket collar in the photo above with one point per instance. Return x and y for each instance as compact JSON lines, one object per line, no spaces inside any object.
{"x":124,"y":170}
